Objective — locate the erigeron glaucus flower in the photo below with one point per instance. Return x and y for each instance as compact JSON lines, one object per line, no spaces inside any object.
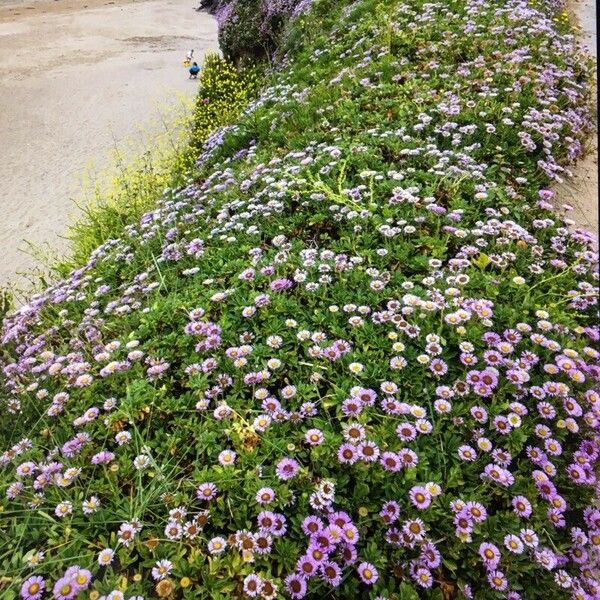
{"x":442,"y":406}
{"x":26,"y":469}
{"x":102,"y":458}
{"x":84,"y":380}
{"x":141,"y":462}
{"x":513,"y":544}
{"x":356,"y":368}
{"x":490,"y":555}
{"x":162,"y":569}
{"x":227,"y":457}
{"x":91,"y":505}
{"x":420,"y":497}
{"x":33,"y":588}
{"x":295,"y":586}
{"x":217,"y":545}
{"x":265,"y":495}
{"x":173,"y":530}
{"x":368,"y":573}
{"x":65,"y":589}
{"x":497,"y":580}
{"x":80,"y":577}
{"x":206,"y":491}
{"x":261,"y":423}
{"x":287,"y":469}
{"x":253,"y":586}
{"x":35,"y":559}
{"x":109,"y":404}
{"x":484,"y":444}
{"x":178,"y":514}
{"x":467,"y":453}
{"x":63,"y":509}
{"x":123,"y":437}
{"x":314,"y":437}
{"x":105,"y":557}
{"x":433,"y":488}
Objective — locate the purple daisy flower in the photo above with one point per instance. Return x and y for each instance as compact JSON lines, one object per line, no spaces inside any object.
{"x":314,"y":437}
{"x":227,"y":457}
{"x":331,"y":573}
{"x":348,"y":454}
{"x":390,"y":511}
{"x":408,"y":458}
{"x":252,"y":585}
{"x":206,"y":491}
{"x":295,"y":586}
{"x":406,"y":432}
{"x":287,"y":469}
{"x":497,"y":580}
{"x":265,"y":495}
{"x":420,"y":497}
{"x":390,"y":461}
{"x":65,"y":589}
{"x":368,"y":573}
{"x":490,"y":555}
{"x":33,"y":588}
{"x":307,"y":566}
{"x":423,"y":577}
{"x":312,"y":525}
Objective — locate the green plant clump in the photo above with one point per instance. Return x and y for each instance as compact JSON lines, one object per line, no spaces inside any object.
{"x":355,"y":357}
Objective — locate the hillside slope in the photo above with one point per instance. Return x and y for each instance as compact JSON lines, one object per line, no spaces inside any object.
{"x":353,"y":359}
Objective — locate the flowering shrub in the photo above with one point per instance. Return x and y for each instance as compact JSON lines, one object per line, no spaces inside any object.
{"x":253,"y":28}
{"x":224,"y":92}
{"x":355,"y":359}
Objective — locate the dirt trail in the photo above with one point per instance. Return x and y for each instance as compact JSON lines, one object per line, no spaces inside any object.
{"x":77,"y":79}
{"x":581,"y":191}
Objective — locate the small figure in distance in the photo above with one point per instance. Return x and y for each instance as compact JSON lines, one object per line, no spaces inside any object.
{"x":188,"y":58}
{"x":194,"y":70}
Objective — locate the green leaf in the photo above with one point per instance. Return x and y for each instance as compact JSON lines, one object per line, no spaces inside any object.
{"x":482,"y":261}
{"x":407,"y":592}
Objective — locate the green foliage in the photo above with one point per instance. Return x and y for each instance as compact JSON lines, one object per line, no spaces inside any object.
{"x":224,"y":92}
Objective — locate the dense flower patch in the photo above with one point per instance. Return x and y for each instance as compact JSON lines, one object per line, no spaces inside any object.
{"x":254,"y":28}
{"x":355,"y":359}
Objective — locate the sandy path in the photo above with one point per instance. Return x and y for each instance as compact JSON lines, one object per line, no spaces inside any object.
{"x":581,"y":191}
{"x":77,"y":78}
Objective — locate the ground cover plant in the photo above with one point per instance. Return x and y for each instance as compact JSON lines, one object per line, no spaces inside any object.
{"x":356,"y":357}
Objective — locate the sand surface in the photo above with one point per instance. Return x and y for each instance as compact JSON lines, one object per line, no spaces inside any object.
{"x":77,"y":79}
{"x":581,"y":190}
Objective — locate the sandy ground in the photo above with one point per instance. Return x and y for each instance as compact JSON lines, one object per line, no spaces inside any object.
{"x":581,"y":191}
{"x":77,"y":79}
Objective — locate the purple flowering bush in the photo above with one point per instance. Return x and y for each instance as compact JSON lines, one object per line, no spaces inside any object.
{"x":253,"y":29}
{"x":356,"y":357}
